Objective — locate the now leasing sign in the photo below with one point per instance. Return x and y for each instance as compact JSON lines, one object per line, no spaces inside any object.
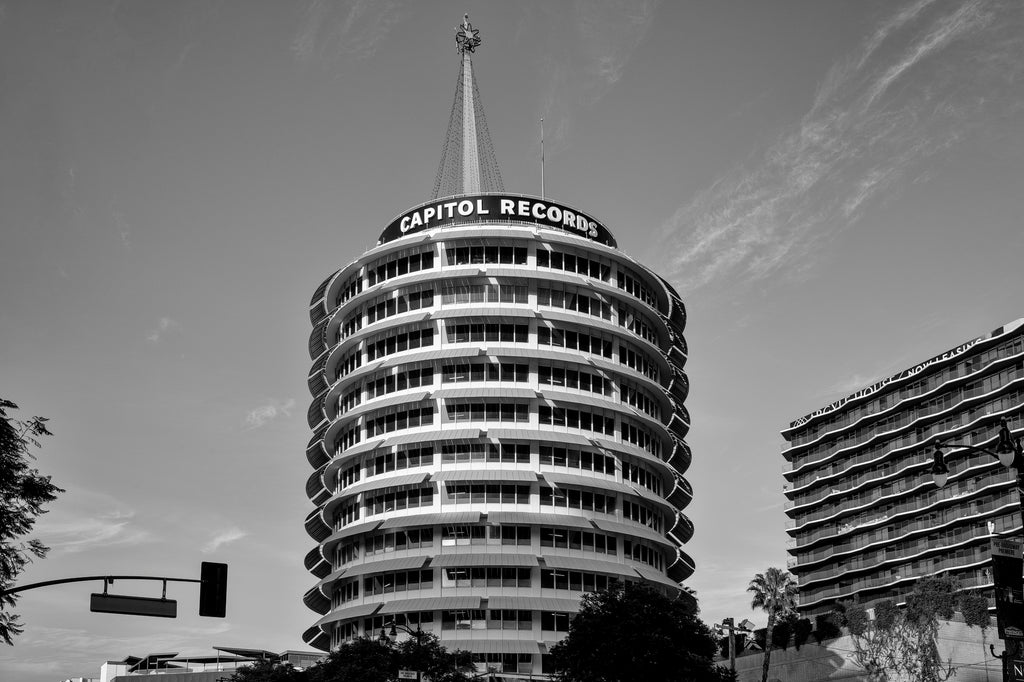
{"x":496,"y":208}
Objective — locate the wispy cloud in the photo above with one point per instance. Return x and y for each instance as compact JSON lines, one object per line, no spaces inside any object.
{"x":81,"y":521}
{"x":920,"y":83}
{"x":163,"y":326}
{"x":258,"y":416}
{"x":581,"y":72}
{"x":222,"y":538}
{"x":333,"y":31}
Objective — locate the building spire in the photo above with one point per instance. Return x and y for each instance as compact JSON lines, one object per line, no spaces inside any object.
{"x":468,"y":164}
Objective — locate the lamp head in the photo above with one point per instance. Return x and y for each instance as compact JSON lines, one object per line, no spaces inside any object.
{"x":940,"y":472}
{"x":1005,"y":443}
{"x":394,"y":630}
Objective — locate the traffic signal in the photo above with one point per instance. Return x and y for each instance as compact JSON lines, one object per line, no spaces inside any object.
{"x":213,"y":590}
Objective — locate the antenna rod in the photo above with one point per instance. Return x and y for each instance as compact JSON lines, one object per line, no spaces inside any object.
{"x":541,"y":158}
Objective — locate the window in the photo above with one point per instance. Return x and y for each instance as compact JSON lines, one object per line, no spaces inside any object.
{"x":554,"y":621}
{"x":511,"y":453}
{"x":479,"y":254}
{"x":399,"y":264}
{"x":489,"y":332}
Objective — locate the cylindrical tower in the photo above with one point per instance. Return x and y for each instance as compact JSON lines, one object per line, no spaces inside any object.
{"x":498,"y":422}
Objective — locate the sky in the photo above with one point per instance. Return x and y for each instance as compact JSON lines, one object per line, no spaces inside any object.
{"x":834,"y":188}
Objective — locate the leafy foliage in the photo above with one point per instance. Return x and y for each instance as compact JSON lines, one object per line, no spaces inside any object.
{"x":774,"y":592}
{"x":369,"y":659}
{"x":826,"y":626}
{"x":266,"y":671}
{"x":801,"y":632}
{"x":23,"y":492}
{"x":903,"y":644}
{"x":634,"y":633}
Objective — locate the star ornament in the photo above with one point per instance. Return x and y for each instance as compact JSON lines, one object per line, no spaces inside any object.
{"x":466,"y":37}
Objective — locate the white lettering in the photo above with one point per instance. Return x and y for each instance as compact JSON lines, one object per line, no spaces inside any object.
{"x":451,"y":208}
{"x":417,"y":220}
{"x":524,"y":208}
{"x":428,"y":213}
{"x":480,"y":210}
{"x":506,"y":207}
{"x":404,"y":227}
{"x":465,"y":208}
{"x":538,"y":211}
{"x":554,"y":214}
{"x":568,"y":218}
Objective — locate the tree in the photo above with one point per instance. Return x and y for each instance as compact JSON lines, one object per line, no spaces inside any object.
{"x":23,"y":492}
{"x":897,"y":643}
{"x":633,"y":633}
{"x":268,"y":671}
{"x":427,"y":655}
{"x":775,"y":593}
{"x":371,"y":659}
{"x":366,"y":659}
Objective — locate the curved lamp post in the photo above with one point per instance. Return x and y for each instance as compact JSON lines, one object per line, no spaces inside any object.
{"x":417,"y":633}
{"x":1010,"y":453}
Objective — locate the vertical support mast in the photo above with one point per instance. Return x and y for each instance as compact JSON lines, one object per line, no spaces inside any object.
{"x":470,"y":153}
{"x":468,"y":165}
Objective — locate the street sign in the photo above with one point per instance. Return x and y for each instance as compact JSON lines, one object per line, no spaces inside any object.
{"x":1013,"y":670}
{"x":1007,"y":566}
{"x":408,"y":675}
{"x":133,"y":606}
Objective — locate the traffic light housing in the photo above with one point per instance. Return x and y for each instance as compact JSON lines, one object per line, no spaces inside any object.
{"x":213,"y":590}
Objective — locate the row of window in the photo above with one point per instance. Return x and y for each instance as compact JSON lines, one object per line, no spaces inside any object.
{"x":910,"y":414}
{"x":505,"y":534}
{"x":569,"y":262}
{"x":509,"y":453}
{"x":398,"y":342}
{"x":459,"y":372}
{"x":486,"y":576}
{"x":640,"y":399}
{"x":460,"y":452}
{"x":572,"y":498}
{"x":484,"y":293}
{"x":595,"y":344}
{"x":489,"y":411}
{"x":571,"y":299}
{"x":490,"y":493}
{"x":398,"y":264}
{"x":396,"y":303}
{"x":634,"y":286}
{"x":570,"y":377}
{"x":487,"y":332}
{"x":403,"y":417}
{"x":577,"y":459}
{"x":881,"y":447}
{"x":926,"y":383}
{"x":401,"y":499}
{"x":574,"y":418}
{"x":480,"y":255}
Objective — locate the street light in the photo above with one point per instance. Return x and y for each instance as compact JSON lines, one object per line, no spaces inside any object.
{"x":418,"y":634}
{"x":1010,"y":453}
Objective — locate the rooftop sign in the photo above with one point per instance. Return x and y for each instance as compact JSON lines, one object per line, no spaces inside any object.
{"x":496,"y":208}
{"x":916,"y":369}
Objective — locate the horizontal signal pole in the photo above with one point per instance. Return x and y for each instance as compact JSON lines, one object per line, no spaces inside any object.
{"x":105,"y":578}
{"x":213,"y":588}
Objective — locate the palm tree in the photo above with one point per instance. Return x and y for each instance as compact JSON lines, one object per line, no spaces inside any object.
{"x":775,"y":593}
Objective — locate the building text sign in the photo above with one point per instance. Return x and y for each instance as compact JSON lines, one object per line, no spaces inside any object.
{"x":916,"y":369}
{"x":498,"y":208}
